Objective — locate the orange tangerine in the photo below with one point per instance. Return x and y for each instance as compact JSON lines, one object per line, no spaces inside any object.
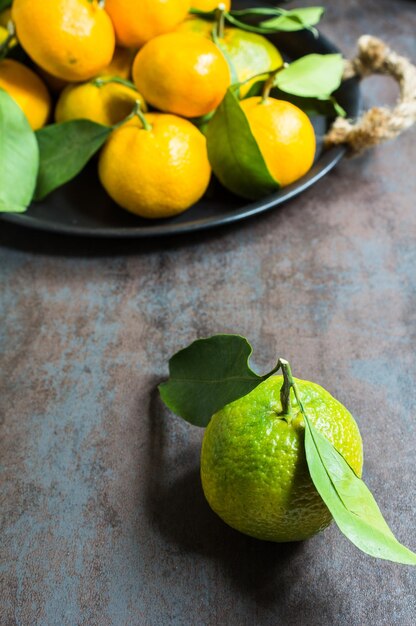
{"x":182,"y":73}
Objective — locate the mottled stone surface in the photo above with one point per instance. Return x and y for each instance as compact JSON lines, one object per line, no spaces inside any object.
{"x":103,"y":520}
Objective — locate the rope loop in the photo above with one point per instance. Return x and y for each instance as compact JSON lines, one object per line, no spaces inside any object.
{"x":378,"y":124}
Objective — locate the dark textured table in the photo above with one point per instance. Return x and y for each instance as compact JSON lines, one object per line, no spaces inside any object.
{"x":104,"y":522}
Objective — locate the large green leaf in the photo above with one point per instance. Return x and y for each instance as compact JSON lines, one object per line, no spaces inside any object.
{"x":207,"y":375}
{"x":312,"y":76}
{"x":234,"y":154}
{"x":64,"y":151}
{"x":296,"y":19}
{"x":349,"y":500}
{"x":19,"y":157}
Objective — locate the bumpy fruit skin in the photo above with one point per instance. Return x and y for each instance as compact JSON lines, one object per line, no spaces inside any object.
{"x":109,"y":104}
{"x":136,"y":22}
{"x":249,"y":53}
{"x":155,"y":173}
{"x":210,"y":5}
{"x":196,"y":80}
{"x":28,"y":91}
{"x":253,"y":464}
{"x":71,"y":39}
{"x":285,"y":136}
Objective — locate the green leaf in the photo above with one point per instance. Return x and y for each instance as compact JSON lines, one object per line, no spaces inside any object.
{"x":327,"y":107}
{"x":19,"y":157}
{"x":207,"y":375}
{"x":5,"y":4}
{"x":296,"y":19}
{"x":234,"y":154}
{"x":349,"y":500}
{"x":64,"y":151}
{"x":312,"y":76}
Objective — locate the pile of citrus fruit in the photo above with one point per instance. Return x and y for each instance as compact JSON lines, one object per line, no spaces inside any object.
{"x":156,"y":74}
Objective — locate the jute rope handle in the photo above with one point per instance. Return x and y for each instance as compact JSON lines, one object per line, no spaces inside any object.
{"x":379,"y":123}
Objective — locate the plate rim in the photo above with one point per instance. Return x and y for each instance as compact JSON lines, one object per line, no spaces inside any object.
{"x":332,"y":155}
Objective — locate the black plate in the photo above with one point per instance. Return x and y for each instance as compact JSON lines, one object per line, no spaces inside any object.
{"x":83,"y":208}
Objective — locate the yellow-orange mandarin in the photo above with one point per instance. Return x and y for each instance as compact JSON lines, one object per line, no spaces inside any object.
{"x":107,"y":104}
{"x":210,"y":5}
{"x":136,"y":22}
{"x":182,"y":73}
{"x":71,"y":39}
{"x":285,"y":136}
{"x":157,"y":171}
{"x":27,"y":90}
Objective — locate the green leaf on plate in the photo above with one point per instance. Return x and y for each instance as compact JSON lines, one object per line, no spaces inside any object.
{"x":296,"y":19}
{"x":64,"y":151}
{"x":233,"y":152}
{"x":5,"y":4}
{"x":327,"y":107}
{"x":349,"y":500}
{"x":207,"y":375}
{"x":19,"y":157}
{"x":312,"y":76}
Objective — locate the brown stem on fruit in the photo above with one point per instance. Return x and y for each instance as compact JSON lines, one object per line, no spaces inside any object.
{"x":269,"y":84}
{"x":288,"y":384}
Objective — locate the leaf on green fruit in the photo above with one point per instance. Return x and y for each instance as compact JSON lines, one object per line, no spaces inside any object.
{"x":296,"y":19}
{"x":207,"y":375}
{"x":312,"y":76}
{"x":233,"y":152}
{"x":64,"y":151}
{"x":212,"y":372}
{"x":19,"y":157}
{"x":350,"y":502}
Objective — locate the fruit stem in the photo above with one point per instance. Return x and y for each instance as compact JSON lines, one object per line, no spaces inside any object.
{"x":105,"y":80}
{"x":288,"y":384}
{"x":136,"y":112}
{"x":269,"y":84}
{"x":219,"y":21}
{"x":139,"y":113}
